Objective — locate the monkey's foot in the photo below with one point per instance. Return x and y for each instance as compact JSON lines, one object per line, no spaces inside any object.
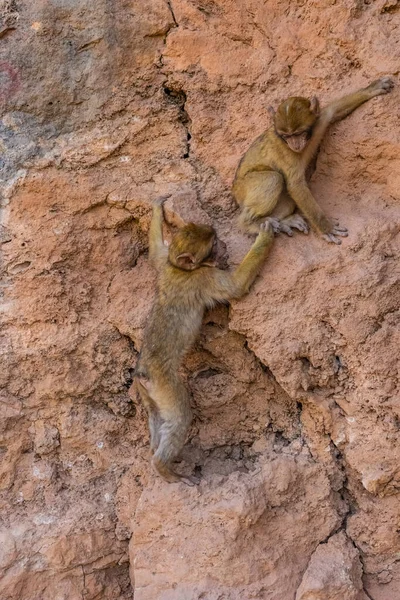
{"x":170,"y":475}
{"x":296,"y":222}
{"x":191,"y":480}
{"x":173,"y":477}
{"x":275,"y":224}
{"x":336,"y":231}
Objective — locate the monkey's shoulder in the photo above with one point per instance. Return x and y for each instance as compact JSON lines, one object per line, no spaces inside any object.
{"x":261,"y":154}
{"x":175,"y":284}
{"x":262,"y":142}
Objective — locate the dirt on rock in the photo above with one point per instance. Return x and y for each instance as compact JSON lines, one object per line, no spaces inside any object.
{"x":295,"y":389}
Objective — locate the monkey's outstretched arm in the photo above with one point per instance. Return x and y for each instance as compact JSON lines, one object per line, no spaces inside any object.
{"x":158,"y":252}
{"x":226,"y":286}
{"x":341,"y":108}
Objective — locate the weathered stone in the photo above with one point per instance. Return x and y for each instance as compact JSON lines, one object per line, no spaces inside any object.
{"x":104,"y":107}
{"x":333,"y":573}
{"x":47,"y":437}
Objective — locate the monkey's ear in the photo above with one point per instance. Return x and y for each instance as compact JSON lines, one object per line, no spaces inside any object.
{"x":314,"y":105}
{"x":271,"y":111}
{"x":186,"y":261}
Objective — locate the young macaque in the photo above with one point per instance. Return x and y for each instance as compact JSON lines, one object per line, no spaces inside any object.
{"x":189,"y":281}
{"x":271,"y":179}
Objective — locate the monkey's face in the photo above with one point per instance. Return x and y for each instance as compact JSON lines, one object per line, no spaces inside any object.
{"x":294,"y":121}
{"x":297,"y":141}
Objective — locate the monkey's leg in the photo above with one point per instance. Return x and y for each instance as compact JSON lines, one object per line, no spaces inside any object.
{"x":258,"y":192}
{"x":173,"y":404}
{"x":284,"y":211}
{"x":154,"y":418}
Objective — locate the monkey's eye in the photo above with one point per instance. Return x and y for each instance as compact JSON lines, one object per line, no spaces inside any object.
{"x":285,"y":136}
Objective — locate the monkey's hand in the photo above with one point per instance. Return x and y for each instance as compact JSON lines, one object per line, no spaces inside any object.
{"x":275,"y":224}
{"x":267,"y":230}
{"x":161,"y":199}
{"x":381,"y":86}
{"x":336,"y":230}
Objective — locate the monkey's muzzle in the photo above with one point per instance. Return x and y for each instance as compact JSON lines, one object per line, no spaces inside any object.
{"x":297,"y":143}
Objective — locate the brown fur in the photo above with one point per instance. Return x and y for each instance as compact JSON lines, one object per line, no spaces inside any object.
{"x":271,"y":177}
{"x":185,"y":289}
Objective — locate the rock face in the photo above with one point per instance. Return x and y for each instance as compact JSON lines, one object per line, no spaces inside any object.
{"x":295,"y":389}
{"x":334,"y":572}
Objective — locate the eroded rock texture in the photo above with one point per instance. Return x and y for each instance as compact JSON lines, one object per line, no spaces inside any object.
{"x":105,"y":105}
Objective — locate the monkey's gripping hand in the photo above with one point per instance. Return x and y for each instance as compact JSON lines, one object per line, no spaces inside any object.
{"x":380,"y":86}
{"x":336,"y":230}
{"x":267,"y":230}
{"x":161,"y":199}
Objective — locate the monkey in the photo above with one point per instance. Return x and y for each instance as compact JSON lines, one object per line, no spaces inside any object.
{"x":271,"y":178}
{"x":189,"y":281}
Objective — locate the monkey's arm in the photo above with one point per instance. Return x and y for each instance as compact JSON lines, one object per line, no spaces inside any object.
{"x":226,"y":286}
{"x":300,"y":192}
{"x":339,"y":109}
{"x":158,"y":252}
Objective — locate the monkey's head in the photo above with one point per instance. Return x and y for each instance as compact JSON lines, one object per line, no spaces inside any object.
{"x":196,"y":246}
{"x":294,"y":120}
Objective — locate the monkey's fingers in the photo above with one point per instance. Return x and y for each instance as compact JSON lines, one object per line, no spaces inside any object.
{"x":382,"y":86}
{"x":161,"y":199}
{"x":386,"y":84}
{"x":266,"y":227}
{"x":329,"y":237}
{"x":342,"y":231}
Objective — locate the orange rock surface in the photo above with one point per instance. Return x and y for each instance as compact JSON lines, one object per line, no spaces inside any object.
{"x":106,"y":105}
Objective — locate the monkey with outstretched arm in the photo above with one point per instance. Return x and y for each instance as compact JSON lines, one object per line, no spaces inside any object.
{"x":271,"y":179}
{"x":189,"y":281}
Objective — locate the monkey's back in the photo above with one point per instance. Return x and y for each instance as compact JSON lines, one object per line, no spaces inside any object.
{"x":174,"y":321}
{"x":267,"y":153}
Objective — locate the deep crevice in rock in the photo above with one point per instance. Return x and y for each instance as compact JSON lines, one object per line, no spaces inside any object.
{"x":178,"y":97}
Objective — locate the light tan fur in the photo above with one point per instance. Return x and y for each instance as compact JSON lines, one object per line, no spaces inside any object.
{"x":188,"y":283}
{"x":271,"y":179}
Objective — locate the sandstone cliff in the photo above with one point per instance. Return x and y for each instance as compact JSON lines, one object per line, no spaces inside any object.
{"x":105,"y":105}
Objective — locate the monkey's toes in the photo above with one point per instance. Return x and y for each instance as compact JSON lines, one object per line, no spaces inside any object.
{"x":275,"y":224}
{"x":285,"y":228}
{"x":297,"y":222}
{"x":190,"y":481}
{"x":303,"y":227}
